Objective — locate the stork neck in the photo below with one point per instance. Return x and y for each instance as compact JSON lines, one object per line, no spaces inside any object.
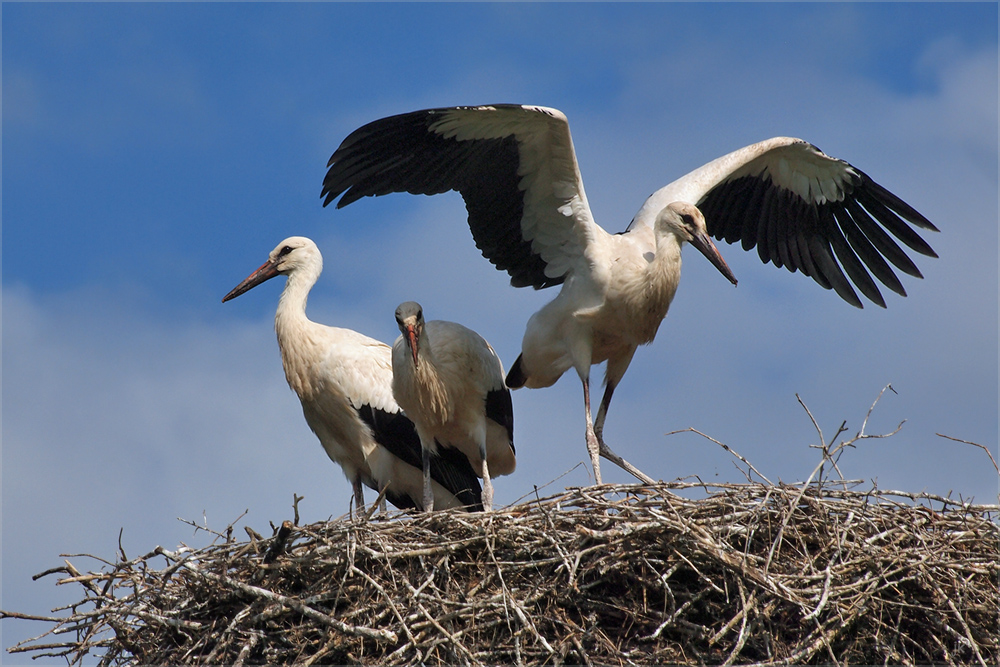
{"x":662,"y":277}
{"x":292,"y":303}
{"x":292,"y":328}
{"x":667,"y":259}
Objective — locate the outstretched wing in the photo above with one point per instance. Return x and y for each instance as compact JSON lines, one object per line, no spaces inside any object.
{"x":806,"y":211}
{"x":514,"y":166}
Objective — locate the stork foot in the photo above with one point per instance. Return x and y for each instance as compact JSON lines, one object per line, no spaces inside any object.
{"x":607,"y":453}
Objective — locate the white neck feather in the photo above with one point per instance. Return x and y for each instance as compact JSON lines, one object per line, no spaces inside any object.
{"x":650,"y":300}
{"x":292,"y":327}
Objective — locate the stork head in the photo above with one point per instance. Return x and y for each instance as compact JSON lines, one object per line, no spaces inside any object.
{"x":410,"y":319}
{"x":686,"y":222}
{"x":294,"y":253}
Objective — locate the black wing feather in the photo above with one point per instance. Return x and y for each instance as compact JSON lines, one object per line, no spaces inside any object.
{"x":395,"y":432}
{"x":827,"y":267}
{"x":402,"y":154}
{"x":807,"y":224}
{"x":886,"y":246}
{"x":752,"y":233}
{"x":862,"y":225}
{"x":823,"y":240}
{"x":893,"y":219}
{"x":849,"y":260}
{"x":452,"y":470}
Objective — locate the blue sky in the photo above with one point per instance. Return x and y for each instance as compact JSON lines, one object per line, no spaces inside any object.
{"x":154,"y":153}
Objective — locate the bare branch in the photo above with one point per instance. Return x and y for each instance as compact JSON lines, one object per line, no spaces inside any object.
{"x":974,"y":444}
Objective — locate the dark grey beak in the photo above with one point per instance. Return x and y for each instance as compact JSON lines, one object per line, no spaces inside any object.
{"x":704,"y":244}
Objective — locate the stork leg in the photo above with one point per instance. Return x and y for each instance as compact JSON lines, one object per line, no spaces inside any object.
{"x":487,"y":484}
{"x":359,"y":495}
{"x":613,"y":374}
{"x":615,"y":371}
{"x":606,"y":451}
{"x":428,"y":491}
{"x":381,"y":497}
{"x":581,"y":352}
{"x":593,"y":444}
{"x":602,"y":412}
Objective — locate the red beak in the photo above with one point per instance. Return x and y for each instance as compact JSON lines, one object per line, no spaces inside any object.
{"x":267,"y":271}
{"x":411,"y":340}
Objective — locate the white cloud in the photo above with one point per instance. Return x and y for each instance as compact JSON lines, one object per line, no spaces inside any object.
{"x":22,"y":102}
{"x":965,"y":91}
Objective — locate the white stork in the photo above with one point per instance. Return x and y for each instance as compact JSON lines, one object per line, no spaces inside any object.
{"x":517,"y":171}
{"x":344,"y":382}
{"x":450,"y":382}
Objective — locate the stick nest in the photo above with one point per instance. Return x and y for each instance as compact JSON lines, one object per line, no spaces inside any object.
{"x":629,"y":574}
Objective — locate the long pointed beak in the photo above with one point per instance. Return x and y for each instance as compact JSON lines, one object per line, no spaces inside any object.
{"x":411,"y":340}
{"x":267,"y":271}
{"x":704,"y":244}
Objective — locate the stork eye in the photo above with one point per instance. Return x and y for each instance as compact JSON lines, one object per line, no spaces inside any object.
{"x":284,"y":251}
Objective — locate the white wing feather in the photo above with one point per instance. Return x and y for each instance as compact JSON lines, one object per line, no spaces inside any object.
{"x":792,"y":164}
{"x":556,"y":218}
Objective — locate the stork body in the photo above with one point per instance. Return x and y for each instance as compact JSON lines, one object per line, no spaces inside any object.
{"x":516,"y":169}
{"x":344,"y":381}
{"x":450,"y":382}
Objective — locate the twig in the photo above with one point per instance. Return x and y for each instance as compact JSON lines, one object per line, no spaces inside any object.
{"x":727,"y":448}
{"x":974,"y":444}
{"x":385,"y":635}
{"x":278,"y":542}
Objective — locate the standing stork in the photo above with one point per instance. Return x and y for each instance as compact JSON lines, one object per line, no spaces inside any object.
{"x":344,"y":382}
{"x":516,"y":169}
{"x":450,"y":382}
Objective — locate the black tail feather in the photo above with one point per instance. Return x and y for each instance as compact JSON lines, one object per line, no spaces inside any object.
{"x":516,"y":377}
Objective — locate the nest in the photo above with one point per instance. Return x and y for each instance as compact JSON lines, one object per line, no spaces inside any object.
{"x":755,"y":573}
{"x":629,"y":574}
